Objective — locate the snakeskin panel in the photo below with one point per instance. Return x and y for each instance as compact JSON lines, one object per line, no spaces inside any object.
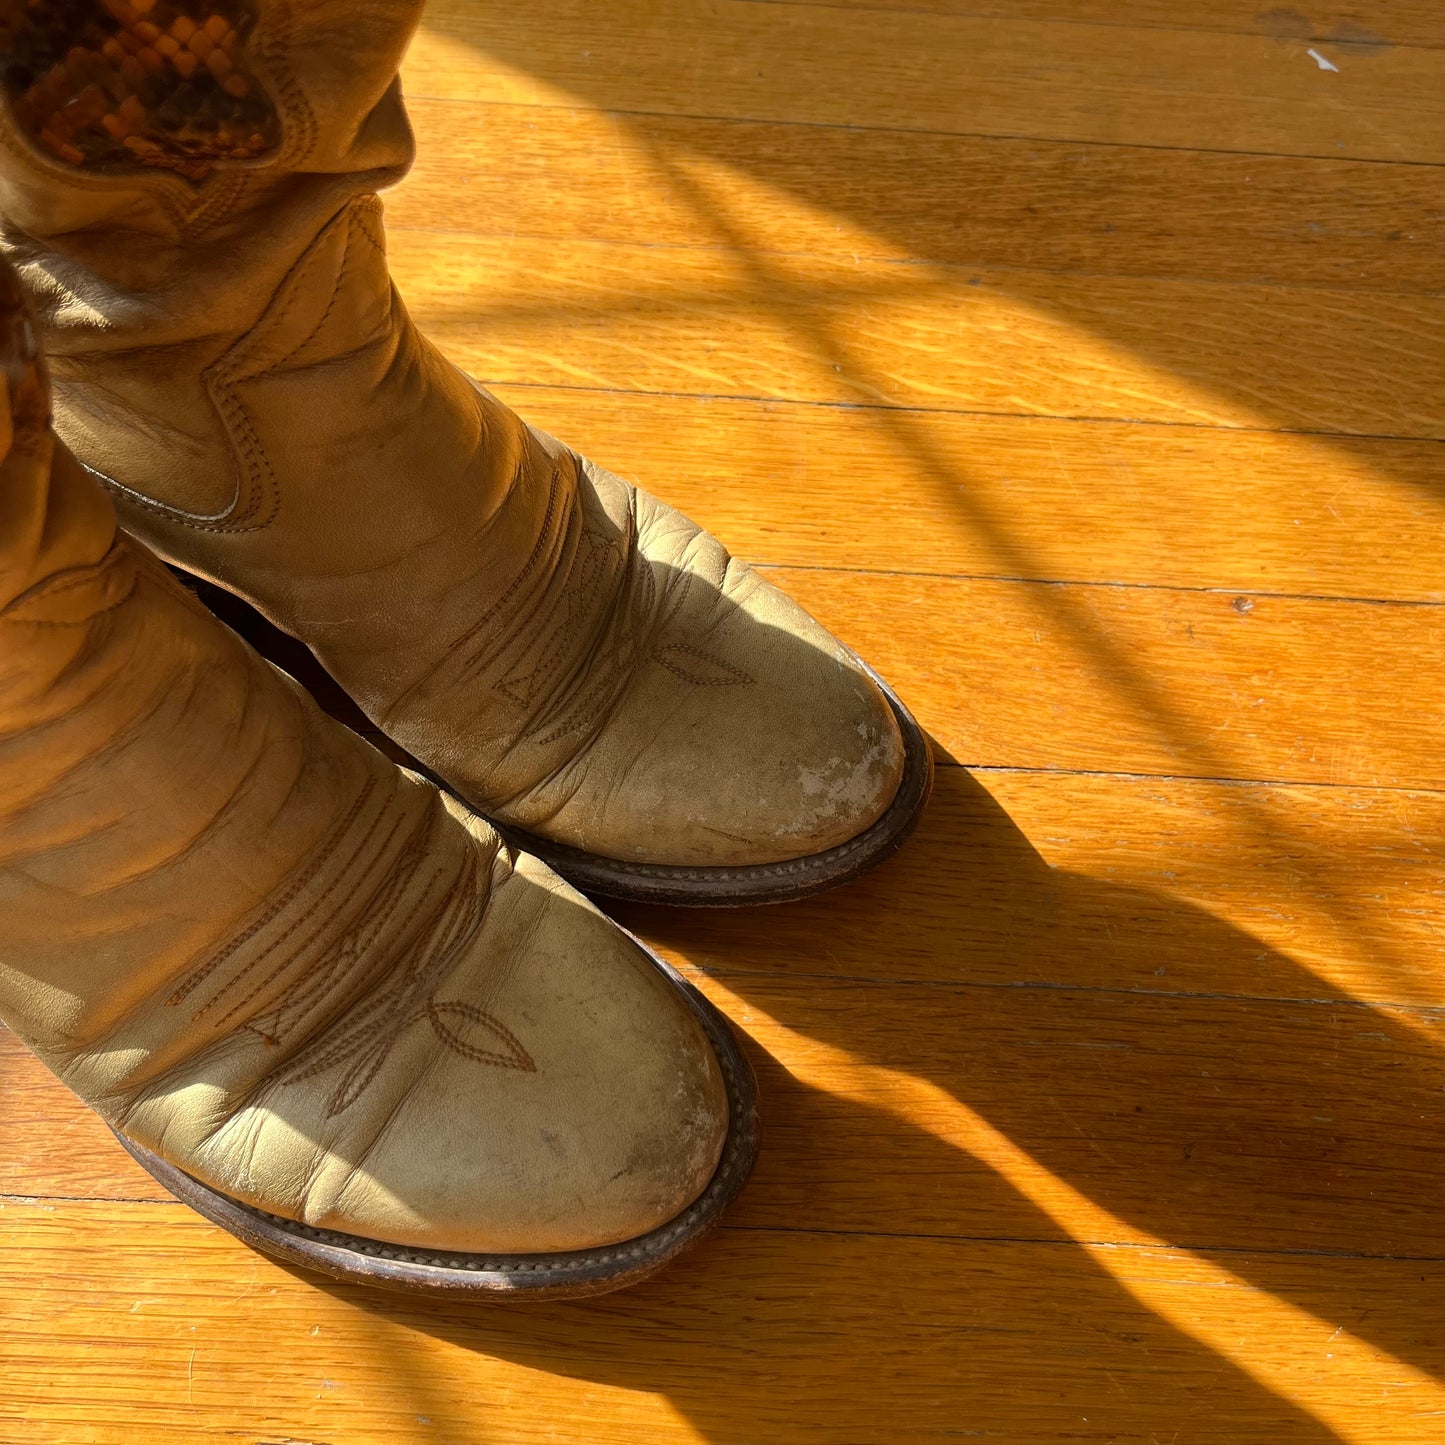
{"x":112,"y":85}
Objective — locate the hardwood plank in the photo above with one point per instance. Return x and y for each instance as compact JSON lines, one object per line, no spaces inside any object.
{"x":1145,"y":885}
{"x":1108,"y":1110}
{"x":1167,"y":887}
{"x":117,"y":1336}
{"x":1342,"y":851}
{"x":850,"y":487}
{"x":574,"y":174}
{"x":1142,"y":680}
{"x":51,"y":1144}
{"x":957,"y":74}
{"x":827,"y":329}
{"x":1213,"y":1124}
{"x":1189,"y":1120}
{"x":1350,"y":26}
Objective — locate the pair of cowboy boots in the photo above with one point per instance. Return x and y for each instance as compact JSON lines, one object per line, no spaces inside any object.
{"x":353,"y":1012}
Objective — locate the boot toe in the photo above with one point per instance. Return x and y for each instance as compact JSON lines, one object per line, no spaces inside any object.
{"x":748,"y":734}
{"x":607,"y":1120}
{"x":554,"y":1093}
{"x":799,"y":755}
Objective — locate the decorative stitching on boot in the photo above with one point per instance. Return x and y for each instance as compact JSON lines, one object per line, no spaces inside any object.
{"x":483,"y":660}
{"x":523,"y":687}
{"x":378,"y":1023}
{"x":257,"y":497}
{"x":725,"y":1180}
{"x":274,"y":51}
{"x":402,"y":944}
{"x":281,"y":899}
{"x":734,"y":676}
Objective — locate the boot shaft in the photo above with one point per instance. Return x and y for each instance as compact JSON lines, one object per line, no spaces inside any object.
{"x":165,"y":159}
{"x":190,"y":199}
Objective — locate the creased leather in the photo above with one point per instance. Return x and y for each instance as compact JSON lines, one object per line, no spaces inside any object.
{"x":571,"y":655}
{"x":273,"y":958}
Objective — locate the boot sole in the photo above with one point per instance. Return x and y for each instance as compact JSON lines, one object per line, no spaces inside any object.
{"x":743,"y":886}
{"x":570,"y":1275}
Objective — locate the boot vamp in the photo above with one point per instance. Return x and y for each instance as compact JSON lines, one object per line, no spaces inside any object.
{"x":518,"y":1078}
{"x":269,"y":956}
{"x":657,"y":700}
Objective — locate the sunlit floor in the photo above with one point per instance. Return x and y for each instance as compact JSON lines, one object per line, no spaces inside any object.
{"x":1082,"y":363}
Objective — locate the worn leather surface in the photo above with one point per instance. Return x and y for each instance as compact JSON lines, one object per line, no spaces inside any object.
{"x":570,"y":654}
{"x":263,"y":951}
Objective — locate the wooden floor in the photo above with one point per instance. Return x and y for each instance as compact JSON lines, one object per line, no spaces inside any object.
{"x":1082,"y":362}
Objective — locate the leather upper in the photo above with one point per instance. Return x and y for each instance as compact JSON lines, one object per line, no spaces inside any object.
{"x":270,"y":956}
{"x":568,"y":653}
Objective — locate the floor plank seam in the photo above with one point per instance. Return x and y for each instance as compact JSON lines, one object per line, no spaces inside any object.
{"x":1403,"y":438}
{"x":1022,"y":136}
{"x":1262,"y":283}
{"x":940,"y":1237}
{"x":1071,"y":1243}
{"x":1102,"y":583}
{"x":884,"y":11}
{"x":1424,"y":1011}
{"x":45,"y":1198}
{"x":1220,"y":780}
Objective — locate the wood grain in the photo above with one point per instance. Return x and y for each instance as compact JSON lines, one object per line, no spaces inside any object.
{"x":961,"y":74}
{"x":489,"y":169}
{"x":1167,"y":886}
{"x":1086,"y":911}
{"x":1190,"y":1119}
{"x":1035,"y":498}
{"x":1149,"y":680}
{"x":734,"y":322}
{"x":1013,"y":1340}
{"x":1348,"y":25}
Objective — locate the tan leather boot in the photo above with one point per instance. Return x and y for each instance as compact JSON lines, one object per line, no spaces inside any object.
{"x":319,"y":1002}
{"x":188,"y":189}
